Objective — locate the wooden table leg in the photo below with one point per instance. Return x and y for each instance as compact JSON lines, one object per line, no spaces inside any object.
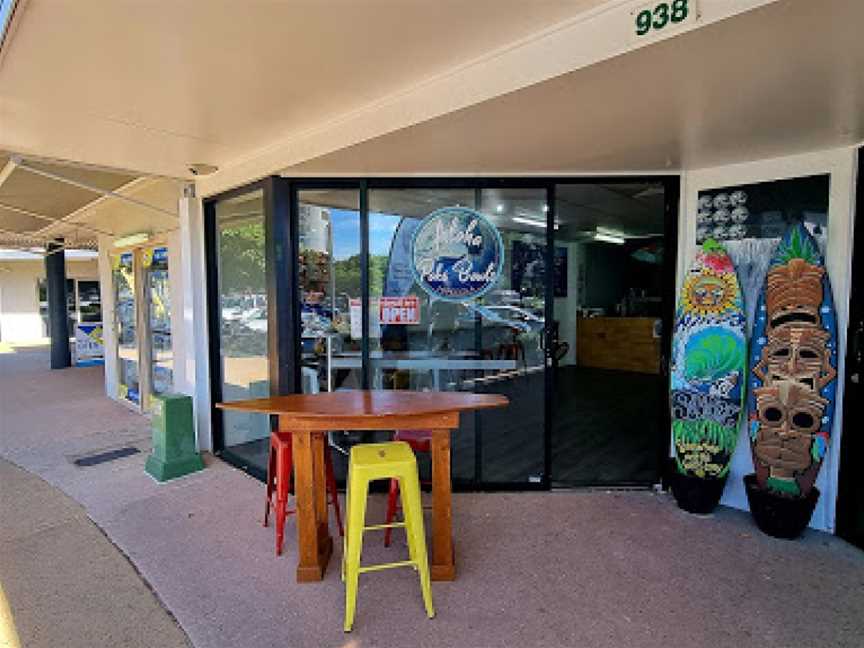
{"x":314,"y":544}
{"x":443,"y":559}
{"x":319,"y":447}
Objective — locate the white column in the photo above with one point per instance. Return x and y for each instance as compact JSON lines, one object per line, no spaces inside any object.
{"x":195,"y":359}
{"x":109,"y":334}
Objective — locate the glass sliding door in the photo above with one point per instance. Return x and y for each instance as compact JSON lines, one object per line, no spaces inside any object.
{"x":329,"y":293}
{"x":611,"y":293}
{"x":448,"y":318}
{"x":126,"y":327}
{"x":160,"y":359}
{"x":511,"y":334}
{"x":241,"y":313}
{"x":421,"y":343}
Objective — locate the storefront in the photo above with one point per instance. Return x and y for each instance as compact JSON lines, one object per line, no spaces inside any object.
{"x":312,"y":288}
{"x":291,"y":268}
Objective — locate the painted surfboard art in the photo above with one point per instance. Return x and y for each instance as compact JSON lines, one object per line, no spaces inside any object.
{"x":709,"y":369}
{"x":793,"y":360}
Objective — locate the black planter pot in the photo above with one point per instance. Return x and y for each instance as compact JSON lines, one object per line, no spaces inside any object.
{"x":779,"y":516}
{"x":695,"y":494}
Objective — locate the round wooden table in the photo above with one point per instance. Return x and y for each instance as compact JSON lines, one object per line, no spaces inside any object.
{"x":308,"y":417}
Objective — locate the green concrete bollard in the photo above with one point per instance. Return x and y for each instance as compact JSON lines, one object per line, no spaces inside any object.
{"x":174,"y":453}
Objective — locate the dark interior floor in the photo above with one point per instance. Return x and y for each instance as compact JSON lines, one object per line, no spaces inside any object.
{"x":606,"y":427}
{"x":604,"y":432}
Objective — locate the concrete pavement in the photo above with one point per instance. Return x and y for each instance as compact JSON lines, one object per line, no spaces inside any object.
{"x":66,"y":584}
{"x":581,"y":568}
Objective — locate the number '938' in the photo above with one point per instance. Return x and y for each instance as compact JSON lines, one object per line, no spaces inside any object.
{"x":662,"y":15}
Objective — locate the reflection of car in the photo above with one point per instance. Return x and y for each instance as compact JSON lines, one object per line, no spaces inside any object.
{"x":255,"y":319}
{"x":231,"y":313}
{"x":504,"y":315}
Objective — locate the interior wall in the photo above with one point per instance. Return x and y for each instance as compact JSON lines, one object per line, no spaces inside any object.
{"x":841,"y":165}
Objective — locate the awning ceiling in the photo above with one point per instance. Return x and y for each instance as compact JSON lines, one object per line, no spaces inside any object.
{"x":42,"y":201}
{"x":440,"y":87}
{"x":31,"y":205}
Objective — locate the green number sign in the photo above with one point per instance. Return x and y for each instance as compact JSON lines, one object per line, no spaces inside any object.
{"x":661,"y":15}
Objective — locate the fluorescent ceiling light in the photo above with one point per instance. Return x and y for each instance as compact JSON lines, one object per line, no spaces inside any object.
{"x":608,"y":238}
{"x":132,"y":239}
{"x":531,"y":221}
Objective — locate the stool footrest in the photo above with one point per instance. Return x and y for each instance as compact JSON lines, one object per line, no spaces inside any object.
{"x":378,"y":527}
{"x":394,"y":565}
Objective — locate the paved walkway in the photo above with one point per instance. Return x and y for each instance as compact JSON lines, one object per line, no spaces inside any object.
{"x":588,"y":569}
{"x":66,"y":583}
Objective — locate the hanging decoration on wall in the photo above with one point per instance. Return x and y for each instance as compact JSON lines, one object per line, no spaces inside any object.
{"x":708,"y":378}
{"x":793,"y":379}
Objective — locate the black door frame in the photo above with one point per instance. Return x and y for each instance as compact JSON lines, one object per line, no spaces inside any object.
{"x":850,"y":493}
{"x":282,"y":250}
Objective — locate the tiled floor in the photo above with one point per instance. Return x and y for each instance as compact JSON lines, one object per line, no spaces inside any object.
{"x":578,"y":568}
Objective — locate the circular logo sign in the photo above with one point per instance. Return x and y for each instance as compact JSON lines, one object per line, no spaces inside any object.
{"x":456,"y":254}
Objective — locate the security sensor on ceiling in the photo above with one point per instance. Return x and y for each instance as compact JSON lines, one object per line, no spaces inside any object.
{"x":200,"y":168}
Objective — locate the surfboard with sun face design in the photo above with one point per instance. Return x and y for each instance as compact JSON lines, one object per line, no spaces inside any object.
{"x":708,"y":373}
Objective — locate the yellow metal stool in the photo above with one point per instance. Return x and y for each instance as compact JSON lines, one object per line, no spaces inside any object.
{"x":371,"y":461}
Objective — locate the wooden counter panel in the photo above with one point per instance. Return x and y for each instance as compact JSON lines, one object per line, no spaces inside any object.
{"x":623,"y":343}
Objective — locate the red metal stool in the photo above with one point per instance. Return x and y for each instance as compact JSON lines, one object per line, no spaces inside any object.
{"x":279,"y":468}
{"x":420,"y":441}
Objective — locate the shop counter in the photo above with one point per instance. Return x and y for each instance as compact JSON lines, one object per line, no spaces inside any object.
{"x":622,"y":343}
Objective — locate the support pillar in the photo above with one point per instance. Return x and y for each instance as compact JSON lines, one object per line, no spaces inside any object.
{"x":58,"y":317}
{"x":193,"y":266}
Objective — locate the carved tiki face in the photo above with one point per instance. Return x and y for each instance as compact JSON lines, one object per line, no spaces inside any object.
{"x":794,"y":294}
{"x":789,"y":416}
{"x":799,"y":355}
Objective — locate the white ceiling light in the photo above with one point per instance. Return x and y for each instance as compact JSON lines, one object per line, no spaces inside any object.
{"x":529,"y":221}
{"x":608,"y":238}
{"x":132,"y":239}
{"x":499,"y":208}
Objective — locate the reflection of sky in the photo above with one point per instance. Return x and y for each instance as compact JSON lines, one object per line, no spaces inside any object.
{"x":346,"y":233}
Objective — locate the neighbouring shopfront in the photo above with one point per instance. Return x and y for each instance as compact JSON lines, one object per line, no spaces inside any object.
{"x":327,"y":285}
{"x":142,"y":349}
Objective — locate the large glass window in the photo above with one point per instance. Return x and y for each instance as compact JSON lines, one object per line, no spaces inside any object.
{"x":330,"y":293}
{"x":242,"y":313}
{"x":89,"y":301}
{"x":126,"y":327}
{"x":158,"y":303}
